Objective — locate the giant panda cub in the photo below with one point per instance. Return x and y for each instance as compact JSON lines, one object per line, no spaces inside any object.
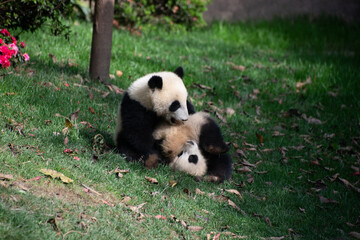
{"x":195,"y":147}
{"x":190,"y":160}
{"x":153,"y":98}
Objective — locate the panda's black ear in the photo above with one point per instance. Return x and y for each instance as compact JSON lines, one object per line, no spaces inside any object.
{"x":180,"y":72}
{"x":155,"y":82}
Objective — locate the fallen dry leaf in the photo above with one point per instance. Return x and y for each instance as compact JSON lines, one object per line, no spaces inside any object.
{"x":126,"y":199}
{"x":202,"y":86}
{"x":334,"y":177}
{"x":348,"y":184}
{"x":276,"y":238}
{"x":6,"y":177}
{"x":240,"y":153}
{"x":107,"y":203}
{"x":250,"y":178}
{"x":187,"y":191}
{"x":35,"y":178}
{"x":91,"y":110}
{"x":53,"y":57}
{"x":68,"y":124}
{"x":267,"y":220}
{"x":160,"y":217}
{"x":277,"y":134}
{"x":195,"y":228}
{"x":260,"y":137}
{"x":230,"y":111}
{"x":53,"y":223}
{"x":244,"y":169}
{"x":246,"y":163}
{"x":136,"y":208}
{"x":234,"y":191}
{"x":173,"y":183}
{"x":354,"y":235}
{"x":313,"y":120}
{"x":74,"y":116}
{"x":233,"y":235}
{"x":117,"y":90}
{"x":232,"y":204}
{"x":151,"y":180}
{"x":55,"y":174}
{"x":326,"y":200}
{"x":198,"y":191}
{"x":183,"y":223}
{"x":236,"y":67}
{"x":91,"y":190}
{"x":300,"y":85}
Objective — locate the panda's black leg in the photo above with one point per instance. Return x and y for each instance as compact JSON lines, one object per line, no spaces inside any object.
{"x":211,"y":139}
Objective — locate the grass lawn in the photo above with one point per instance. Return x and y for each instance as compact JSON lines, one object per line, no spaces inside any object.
{"x":286,"y":94}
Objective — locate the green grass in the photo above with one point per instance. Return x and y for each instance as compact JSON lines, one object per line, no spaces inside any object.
{"x":293,"y":170}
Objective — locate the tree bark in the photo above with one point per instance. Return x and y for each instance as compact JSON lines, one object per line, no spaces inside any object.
{"x":102,"y":40}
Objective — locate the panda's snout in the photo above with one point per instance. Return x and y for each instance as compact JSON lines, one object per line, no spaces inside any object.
{"x":174,"y":121}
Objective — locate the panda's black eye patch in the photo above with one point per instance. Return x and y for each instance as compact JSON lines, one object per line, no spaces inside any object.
{"x":193,"y":159}
{"x":175,"y":105}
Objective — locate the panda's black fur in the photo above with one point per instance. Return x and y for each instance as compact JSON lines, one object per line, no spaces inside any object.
{"x":135,"y":139}
{"x":214,"y":150}
{"x":138,"y":115}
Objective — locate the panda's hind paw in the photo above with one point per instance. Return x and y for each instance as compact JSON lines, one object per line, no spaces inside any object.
{"x":151,"y":161}
{"x":216,"y":150}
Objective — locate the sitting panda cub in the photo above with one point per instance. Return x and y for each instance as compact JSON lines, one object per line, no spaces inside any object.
{"x":153,"y":98}
{"x":208,"y":154}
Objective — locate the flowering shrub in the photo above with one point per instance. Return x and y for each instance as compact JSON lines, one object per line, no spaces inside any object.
{"x":175,"y":14}
{"x":10,"y":51}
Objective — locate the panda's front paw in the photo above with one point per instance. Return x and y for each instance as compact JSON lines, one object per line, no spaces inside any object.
{"x":151,"y":161}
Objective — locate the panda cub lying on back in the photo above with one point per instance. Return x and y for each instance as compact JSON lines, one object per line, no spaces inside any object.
{"x":156,"y":97}
{"x":196,"y":146}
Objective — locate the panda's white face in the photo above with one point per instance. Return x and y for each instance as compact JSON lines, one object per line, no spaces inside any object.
{"x":169,"y":100}
{"x":190,"y":160}
{"x":164,"y":93}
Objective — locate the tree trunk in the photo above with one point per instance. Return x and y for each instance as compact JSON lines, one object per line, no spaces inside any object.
{"x":102,"y":40}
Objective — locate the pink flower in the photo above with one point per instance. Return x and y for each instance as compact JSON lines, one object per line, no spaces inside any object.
{"x":26,"y":57}
{"x":76,"y":158}
{"x":68,"y":150}
{"x":22,"y":44}
{"x":4,"y":61}
{"x":4,"y":50}
{"x":14,"y":40}
{"x":14,"y":47}
{"x":5,"y":32}
{"x":1,"y":41}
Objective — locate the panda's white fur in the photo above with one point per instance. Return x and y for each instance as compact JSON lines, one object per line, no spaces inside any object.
{"x":158,"y":100}
{"x":190,"y":160}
